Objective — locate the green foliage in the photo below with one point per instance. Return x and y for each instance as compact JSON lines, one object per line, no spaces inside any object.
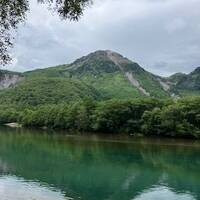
{"x":113,"y":86}
{"x":120,"y":116}
{"x":38,"y":91}
{"x":180,"y":119}
{"x":147,"y":116}
{"x":52,"y":72}
{"x":8,"y":114}
{"x":76,"y":116}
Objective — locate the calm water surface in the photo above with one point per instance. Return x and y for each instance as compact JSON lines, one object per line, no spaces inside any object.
{"x":38,"y":166}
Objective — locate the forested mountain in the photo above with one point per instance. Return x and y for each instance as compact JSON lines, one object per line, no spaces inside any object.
{"x":187,"y":84}
{"x":115,"y":76}
{"x":101,"y":75}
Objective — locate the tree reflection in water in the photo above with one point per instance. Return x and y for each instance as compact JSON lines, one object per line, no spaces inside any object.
{"x":93,"y":168}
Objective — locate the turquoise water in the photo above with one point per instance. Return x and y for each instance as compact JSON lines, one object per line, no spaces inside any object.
{"x":35,"y":165}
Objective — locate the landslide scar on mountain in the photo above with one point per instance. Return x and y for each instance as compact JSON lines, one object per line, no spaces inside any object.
{"x":9,"y":80}
{"x":118,"y":61}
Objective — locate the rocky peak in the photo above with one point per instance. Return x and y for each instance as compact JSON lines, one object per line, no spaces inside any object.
{"x":105,"y":61}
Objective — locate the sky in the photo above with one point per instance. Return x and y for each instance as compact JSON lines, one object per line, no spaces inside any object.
{"x":163,"y":36}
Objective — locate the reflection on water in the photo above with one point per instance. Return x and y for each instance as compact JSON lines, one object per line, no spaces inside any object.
{"x":13,"y":188}
{"x":163,"y":193}
{"x":53,"y":167}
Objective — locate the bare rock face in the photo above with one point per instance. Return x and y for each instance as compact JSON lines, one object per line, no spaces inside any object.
{"x":8,"y":80}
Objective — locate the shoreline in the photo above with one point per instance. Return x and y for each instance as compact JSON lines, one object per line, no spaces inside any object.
{"x":111,"y":137}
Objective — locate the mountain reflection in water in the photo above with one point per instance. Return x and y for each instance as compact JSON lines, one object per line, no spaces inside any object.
{"x":57,"y":167}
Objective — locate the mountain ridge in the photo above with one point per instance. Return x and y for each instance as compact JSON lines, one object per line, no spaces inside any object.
{"x":103,"y":75}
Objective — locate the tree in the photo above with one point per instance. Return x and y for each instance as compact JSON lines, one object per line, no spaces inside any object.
{"x":13,"y":12}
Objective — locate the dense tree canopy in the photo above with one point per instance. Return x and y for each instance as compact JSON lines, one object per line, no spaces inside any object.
{"x":150,"y":117}
{"x":12,"y":12}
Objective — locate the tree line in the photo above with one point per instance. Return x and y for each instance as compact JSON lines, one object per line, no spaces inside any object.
{"x":150,"y":117}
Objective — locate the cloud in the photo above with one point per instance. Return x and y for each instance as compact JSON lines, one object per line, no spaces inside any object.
{"x":161,"y":35}
{"x":176,"y":25}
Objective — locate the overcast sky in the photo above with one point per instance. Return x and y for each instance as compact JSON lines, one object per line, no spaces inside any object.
{"x":163,"y":36}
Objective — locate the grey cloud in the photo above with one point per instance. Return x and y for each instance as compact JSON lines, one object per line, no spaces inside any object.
{"x":161,"y":35}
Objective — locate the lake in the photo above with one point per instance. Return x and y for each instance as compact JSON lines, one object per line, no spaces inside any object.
{"x":39,"y":165}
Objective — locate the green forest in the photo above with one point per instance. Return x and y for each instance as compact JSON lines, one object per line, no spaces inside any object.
{"x":103,"y":92}
{"x":149,"y":117}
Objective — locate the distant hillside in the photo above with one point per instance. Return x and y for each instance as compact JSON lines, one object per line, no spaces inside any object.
{"x":186,"y":84}
{"x":100,"y":75}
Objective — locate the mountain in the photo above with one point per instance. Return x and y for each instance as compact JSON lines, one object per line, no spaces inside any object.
{"x":114,"y":76}
{"x":100,"y":75}
{"x":186,"y":84}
